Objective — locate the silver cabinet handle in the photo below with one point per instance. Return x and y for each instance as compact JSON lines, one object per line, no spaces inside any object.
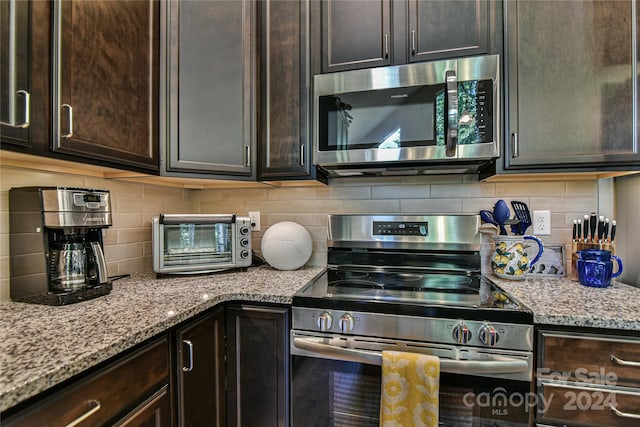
{"x":386,"y":45}
{"x":413,"y":42}
{"x":189,"y":345}
{"x":247,"y":152}
{"x":452,"y":113}
{"x":515,"y":148}
{"x":27,"y":109}
{"x":302,"y":155}
{"x":69,"y":134}
{"x":95,"y":408}
{"x":624,"y":414}
{"x":624,"y":362}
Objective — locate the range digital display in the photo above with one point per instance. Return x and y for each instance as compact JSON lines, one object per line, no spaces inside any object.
{"x":393,"y":228}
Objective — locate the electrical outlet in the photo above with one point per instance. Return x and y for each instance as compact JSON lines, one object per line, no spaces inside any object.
{"x":255,"y":221}
{"x":542,"y":223}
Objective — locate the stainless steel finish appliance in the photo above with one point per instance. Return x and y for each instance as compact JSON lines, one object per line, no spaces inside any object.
{"x":56,"y":244}
{"x":200,"y":243}
{"x":424,"y":118}
{"x":408,"y":283}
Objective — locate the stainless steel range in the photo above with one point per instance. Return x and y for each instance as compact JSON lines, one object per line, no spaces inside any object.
{"x":414,"y":284}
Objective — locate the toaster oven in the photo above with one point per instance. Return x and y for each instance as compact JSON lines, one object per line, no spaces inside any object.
{"x":200,"y":243}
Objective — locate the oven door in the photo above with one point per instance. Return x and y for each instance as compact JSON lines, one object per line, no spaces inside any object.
{"x":337,"y":386}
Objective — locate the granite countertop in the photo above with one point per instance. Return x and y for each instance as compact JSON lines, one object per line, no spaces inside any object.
{"x":568,"y":303}
{"x":41,"y":346}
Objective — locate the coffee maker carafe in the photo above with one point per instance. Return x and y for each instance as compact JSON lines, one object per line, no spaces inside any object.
{"x":56,"y":243}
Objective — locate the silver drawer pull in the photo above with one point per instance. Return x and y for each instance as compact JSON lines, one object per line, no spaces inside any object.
{"x":190,"y":346}
{"x":95,"y":408}
{"x":624,"y":362}
{"x":624,"y":414}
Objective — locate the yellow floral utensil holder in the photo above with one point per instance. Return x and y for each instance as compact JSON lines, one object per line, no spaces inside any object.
{"x":513,"y":256}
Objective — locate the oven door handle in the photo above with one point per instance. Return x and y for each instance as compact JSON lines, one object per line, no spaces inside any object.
{"x":497,"y":365}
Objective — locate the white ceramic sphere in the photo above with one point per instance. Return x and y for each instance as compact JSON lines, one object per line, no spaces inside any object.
{"x":286,"y":245}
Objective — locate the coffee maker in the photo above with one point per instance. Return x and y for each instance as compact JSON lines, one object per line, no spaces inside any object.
{"x":56,"y":244}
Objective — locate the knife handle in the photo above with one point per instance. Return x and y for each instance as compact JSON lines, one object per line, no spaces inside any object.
{"x":585,"y":229}
{"x":600,"y":229}
{"x":593,"y":221}
{"x":613,"y":230}
{"x":575,"y":230}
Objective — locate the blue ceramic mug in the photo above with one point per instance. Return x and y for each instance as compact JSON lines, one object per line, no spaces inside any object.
{"x":595,"y":268}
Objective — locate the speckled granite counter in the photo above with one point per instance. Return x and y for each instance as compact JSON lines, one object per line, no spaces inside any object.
{"x":41,"y":346}
{"x":568,"y":303}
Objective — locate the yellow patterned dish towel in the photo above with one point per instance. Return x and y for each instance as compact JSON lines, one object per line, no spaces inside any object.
{"x":410,"y":387}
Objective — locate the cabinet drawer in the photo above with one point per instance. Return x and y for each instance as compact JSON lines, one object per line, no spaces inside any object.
{"x":591,"y":358}
{"x":578,"y":404}
{"x":106,"y":395}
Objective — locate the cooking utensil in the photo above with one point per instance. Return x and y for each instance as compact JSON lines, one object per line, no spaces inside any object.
{"x":585,"y":228}
{"x":579,"y":234}
{"x":487,"y":216}
{"x":522,"y":212}
{"x":613,"y":230}
{"x":605,"y":235}
{"x":575,"y":230}
{"x":501,"y":213}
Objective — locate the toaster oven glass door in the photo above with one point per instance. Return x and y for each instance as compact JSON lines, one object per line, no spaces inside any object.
{"x":195,"y":244}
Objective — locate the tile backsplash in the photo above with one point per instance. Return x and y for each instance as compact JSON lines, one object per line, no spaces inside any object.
{"x":128,"y":242}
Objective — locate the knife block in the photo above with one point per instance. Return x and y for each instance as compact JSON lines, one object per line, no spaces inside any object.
{"x":581,"y":246}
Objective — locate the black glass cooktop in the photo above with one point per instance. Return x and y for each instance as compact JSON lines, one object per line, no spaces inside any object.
{"x":411,"y":293}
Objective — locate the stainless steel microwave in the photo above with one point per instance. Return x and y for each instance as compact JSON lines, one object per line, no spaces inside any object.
{"x":424,"y":118}
{"x":200,"y":243}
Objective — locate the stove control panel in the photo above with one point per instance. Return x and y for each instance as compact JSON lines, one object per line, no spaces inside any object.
{"x":346,"y":323}
{"x":461,"y":333}
{"x":488,"y":335}
{"x":324,"y":321}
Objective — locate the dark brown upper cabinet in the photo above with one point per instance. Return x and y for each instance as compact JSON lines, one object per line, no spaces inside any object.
{"x":571,"y":79}
{"x":208,"y":122}
{"x":25,"y":52}
{"x":105,"y":81}
{"x":363,"y":34}
{"x":284,"y":138}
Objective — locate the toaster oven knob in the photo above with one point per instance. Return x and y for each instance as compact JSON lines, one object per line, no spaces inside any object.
{"x":244,"y":230}
{"x":488,"y":335}
{"x":461,"y":333}
{"x":346,"y":323}
{"x":244,"y":254}
{"x":244,"y":242}
{"x":324,"y":321}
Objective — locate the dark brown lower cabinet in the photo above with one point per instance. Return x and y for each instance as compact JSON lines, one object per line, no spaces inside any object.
{"x":200,"y":371}
{"x":257,"y":365}
{"x":131,"y":391}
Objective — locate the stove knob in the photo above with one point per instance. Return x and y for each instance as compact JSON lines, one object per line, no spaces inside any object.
{"x":324,"y":321}
{"x":461,"y":333}
{"x":346,"y":323}
{"x":488,"y":335}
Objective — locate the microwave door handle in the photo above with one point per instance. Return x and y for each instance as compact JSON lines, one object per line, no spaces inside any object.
{"x":496,"y":365}
{"x":452,"y":113}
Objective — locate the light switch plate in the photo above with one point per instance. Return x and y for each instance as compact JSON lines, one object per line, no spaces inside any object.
{"x":255,"y":221}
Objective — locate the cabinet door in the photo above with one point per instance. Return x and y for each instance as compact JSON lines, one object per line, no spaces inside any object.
{"x":285,"y":146}
{"x":355,"y":34}
{"x":257,"y":365}
{"x":15,"y":82}
{"x":211,"y":72}
{"x":106,"y":81}
{"x":201,"y":372}
{"x":445,"y":29}
{"x":571,"y":84}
